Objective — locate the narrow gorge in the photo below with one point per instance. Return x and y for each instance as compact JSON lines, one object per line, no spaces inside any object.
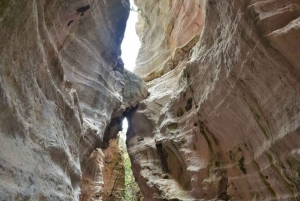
{"x":213,"y":104}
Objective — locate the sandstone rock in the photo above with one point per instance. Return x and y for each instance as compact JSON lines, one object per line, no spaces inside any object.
{"x":223,"y":122}
{"x":92,"y":182}
{"x":167,"y":30}
{"x":103,"y":175}
{"x":220,"y":122}
{"x":134,"y":91}
{"x":113,"y":172}
{"x":60,"y":83}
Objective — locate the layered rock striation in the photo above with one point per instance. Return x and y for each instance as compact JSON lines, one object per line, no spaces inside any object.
{"x":222,"y":123}
{"x":167,"y":30}
{"x":61,"y":83}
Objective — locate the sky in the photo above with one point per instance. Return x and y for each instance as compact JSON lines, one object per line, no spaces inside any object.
{"x":131,"y":43}
{"x":130,"y":48}
{"x":125,"y":127}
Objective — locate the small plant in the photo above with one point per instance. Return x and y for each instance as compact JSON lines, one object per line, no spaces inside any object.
{"x":135,"y":10}
{"x":180,"y":112}
{"x":132,"y":190}
{"x":172,"y":126}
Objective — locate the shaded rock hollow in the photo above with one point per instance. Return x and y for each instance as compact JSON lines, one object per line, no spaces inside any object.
{"x":220,"y":122}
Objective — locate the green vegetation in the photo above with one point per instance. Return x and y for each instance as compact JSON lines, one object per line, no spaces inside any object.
{"x":172,"y":126}
{"x":185,"y":74}
{"x":132,"y":190}
{"x":180,"y":112}
{"x":3,"y":5}
{"x":135,"y":10}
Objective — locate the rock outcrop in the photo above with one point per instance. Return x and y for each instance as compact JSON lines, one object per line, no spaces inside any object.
{"x":61,"y":84}
{"x":167,"y":30}
{"x":103,"y":178}
{"x":222,"y":120}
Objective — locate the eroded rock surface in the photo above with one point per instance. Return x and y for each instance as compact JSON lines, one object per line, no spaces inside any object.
{"x":92,"y":182}
{"x":113,"y":172}
{"x":167,"y":30}
{"x":103,"y":175}
{"x":222,"y":122}
{"x":61,"y":83}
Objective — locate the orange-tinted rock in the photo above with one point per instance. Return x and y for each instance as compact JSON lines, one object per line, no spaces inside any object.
{"x":224,"y":123}
{"x":103,"y":174}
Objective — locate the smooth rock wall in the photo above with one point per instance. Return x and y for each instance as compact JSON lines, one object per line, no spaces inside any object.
{"x":61,"y":84}
{"x":224,"y":124}
{"x":173,"y":27}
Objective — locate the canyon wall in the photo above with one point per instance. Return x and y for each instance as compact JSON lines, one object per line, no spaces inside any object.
{"x":61,"y":83}
{"x":222,"y":121}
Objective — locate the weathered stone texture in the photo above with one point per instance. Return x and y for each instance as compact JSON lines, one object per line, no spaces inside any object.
{"x":61,"y":83}
{"x":113,"y":172}
{"x":221,"y":120}
{"x":103,"y":175}
{"x":224,"y":123}
{"x":167,"y":30}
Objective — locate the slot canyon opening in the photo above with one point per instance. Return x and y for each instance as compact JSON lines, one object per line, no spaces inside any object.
{"x":131,"y":42}
{"x":130,"y":48}
{"x":132,"y":190}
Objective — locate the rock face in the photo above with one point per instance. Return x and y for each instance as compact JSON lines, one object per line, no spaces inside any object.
{"x":61,"y":83}
{"x":113,"y":172}
{"x":103,"y":176}
{"x":167,"y":34}
{"x":92,"y":182}
{"x":222,"y":120}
